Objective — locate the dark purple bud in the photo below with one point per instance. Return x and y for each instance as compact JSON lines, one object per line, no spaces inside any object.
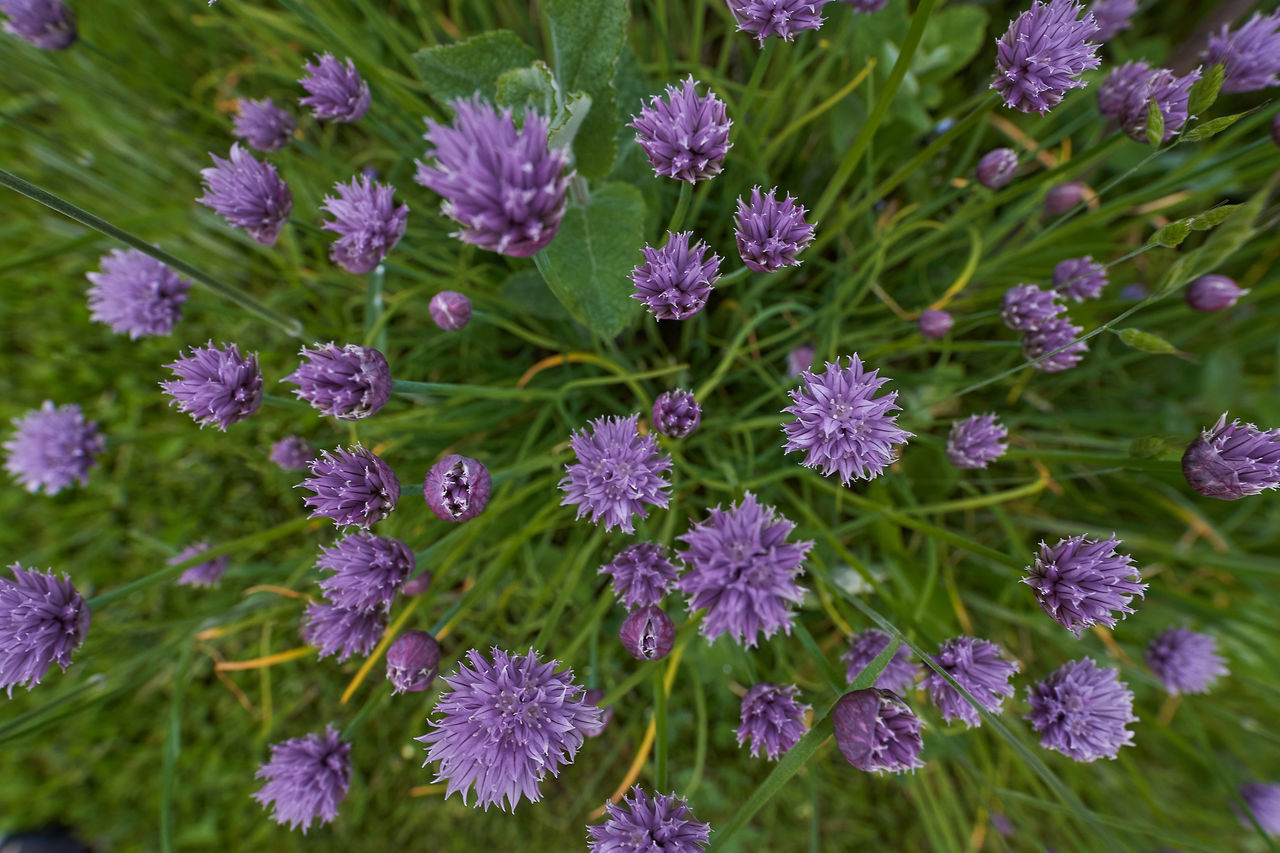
{"x":1210,"y":293}
{"x":450,"y":309}
{"x":457,"y":488}
{"x":876,"y":731}
{"x":935,"y":324}
{"x":648,"y":633}
{"x":46,"y":24}
{"x":592,"y":728}
{"x":1062,"y":198}
{"x":263,"y":125}
{"x":1231,"y":460}
{"x":413,"y":662}
{"x":997,"y":168}
{"x":349,"y":382}
{"x":676,"y":413}
{"x":418,"y":584}
{"x":292,"y":453}
{"x":336,"y":92}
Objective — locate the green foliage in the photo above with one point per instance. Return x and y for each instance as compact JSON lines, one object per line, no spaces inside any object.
{"x":476,"y":64}
{"x":586,"y":38}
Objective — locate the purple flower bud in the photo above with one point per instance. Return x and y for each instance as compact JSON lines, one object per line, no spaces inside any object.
{"x":52,"y":448}
{"x":46,"y":24}
{"x":1250,"y":56}
{"x":976,"y":441}
{"x":206,"y":574}
{"x":1049,"y":336}
{"x":42,"y":621}
{"x":1026,"y":307}
{"x":1081,"y":710}
{"x":675,"y":281}
{"x":997,"y":168}
{"x":349,"y":382}
{"x":934,"y":324}
{"x":215,"y":385}
{"x":1135,"y":292}
{"x":1081,"y":582}
{"x":1264,"y":801}
{"x":342,"y":631}
{"x":450,"y":310}
{"x":899,"y":674}
{"x":1184,"y":661}
{"x":1210,"y":293}
{"x":1063,"y":197}
{"x":351,"y":486}
{"x":619,"y":473}
{"x":977,"y":666}
{"x":800,"y":359}
{"x":418,"y":584}
{"x":412,"y":662}
{"x":1231,"y":460}
{"x":1115,"y":88}
{"x":642,"y":574}
{"x":135,"y":294}
{"x":1112,"y":16}
{"x":647,"y":633}
{"x":263,"y":125}
{"x":772,"y":719}
{"x":782,"y":18}
{"x":685,"y":136}
{"x":335,"y":91}
{"x":248,"y":193}
{"x":292,"y":453}
{"x":676,"y":413}
{"x":592,"y":728}
{"x":770,"y":233}
{"x":367,"y":222}
{"x":1042,"y":55}
{"x":368,"y":570}
{"x":876,"y":731}
{"x":866,"y":6}
{"x":1168,"y":92}
{"x":662,"y":822}
{"x":307,"y":778}
{"x":1079,"y":278}
{"x":457,"y":488}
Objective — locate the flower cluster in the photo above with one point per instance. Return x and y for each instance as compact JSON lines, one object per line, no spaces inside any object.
{"x":1082,"y":582}
{"x":367,"y":570}
{"x":976,"y":441}
{"x":216,"y":385}
{"x":770,"y":233}
{"x":248,"y":193}
{"x":307,"y":778}
{"x":772,"y":719}
{"x":349,"y":382}
{"x":367,"y":221}
{"x":52,"y":448}
{"x":662,"y":823}
{"x":1232,"y":460}
{"x":618,"y":475}
{"x":781,"y":18}
{"x":351,"y":486}
{"x":135,"y":294}
{"x":876,"y":732}
{"x":1042,"y":55}
{"x":336,"y":91}
{"x":898,"y":675}
{"x":1081,"y":710}
{"x":263,"y":125}
{"x":978,"y":667}
{"x":42,"y":621}
{"x":1184,"y":661}
{"x":642,"y":574}
{"x":207,"y":573}
{"x":685,"y":136}
{"x":675,"y":280}
{"x":457,"y":488}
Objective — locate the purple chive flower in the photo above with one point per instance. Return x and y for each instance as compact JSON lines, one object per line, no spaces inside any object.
{"x":248,"y":193}
{"x":42,"y":621}
{"x":263,"y":125}
{"x":1063,"y":197}
{"x":976,"y":441}
{"x":642,"y":574}
{"x":782,"y":18}
{"x":899,"y":674}
{"x":1025,"y":307}
{"x":1115,"y":88}
{"x":1250,"y":56}
{"x":292,"y":453}
{"x":1184,"y":661}
{"x":978,"y":667}
{"x":343,"y":631}
{"x":1112,"y":16}
{"x":1264,"y":801}
{"x":1042,"y":55}
{"x":934,"y":324}
{"x":368,"y":570}
{"x":46,"y":24}
{"x":206,"y":574}
{"x":662,"y":822}
{"x":841,"y":426}
{"x":772,"y":719}
{"x":351,"y":486}
{"x":349,"y":382}
{"x":215,"y":385}
{"x":504,"y":186}
{"x":876,"y":731}
{"x":676,"y":413}
{"x":675,"y":280}
{"x":593,"y":697}
{"x":367,"y":222}
{"x":418,"y":584}
{"x":647,"y":633}
{"x":1081,"y":711}
{"x":617,"y":473}
{"x":1231,"y":460}
{"x":1135,"y":292}
{"x":450,"y":310}
{"x":503,"y":726}
{"x":1079,"y":278}
{"x":1210,"y":293}
{"x":336,"y":92}
{"x":307,"y":777}
{"x":1169,"y":92}
{"x":135,"y":294}
{"x":866,"y":6}
{"x":997,"y":168}
{"x":457,"y":488}
{"x":1081,"y":582}
{"x":412,"y":662}
{"x":743,"y":571}
{"x":686,"y":135}
{"x":52,"y":448}
{"x":770,"y":233}
{"x":800,"y":359}
{"x":1049,"y":336}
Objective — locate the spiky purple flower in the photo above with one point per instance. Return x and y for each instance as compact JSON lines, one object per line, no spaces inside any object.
{"x":343,"y":631}
{"x":617,"y":473}
{"x":292,"y":453}
{"x":1185,"y":661}
{"x":743,"y":571}
{"x":307,"y":778}
{"x":350,"y":382}
{"x":1250,"y":56}
{"x":368,"y":570}
{"x":1052,"y":334}
{"x":866,"y":6}
{"x":1230,"y":461}
{"x":1042,"y":55}
{"x":934,"y":324}
{"x":978,"y":667}
{"x":675,"y":280}
{"x":647,"y":633}
{"x":1116,"y":86}
{"x":1081,"y":711}
{"x":642,"y":574}
{"x":1210,"y":293}
{"x":898,"y":675}
{"x":1063,"y":197}
{"x":662,"y":823}
{"x":1112,"y":16}
{"x":205,"y":574}
{"x":1079,"y":278}
{"x":450,"y":310}
{"x":1025,"y":307}
{"x":876,"y":731}
{"x":772,"y":719}
{"x":504,"y":186}
{"x":336,"y":92}
{"x":46,"y":24}
{"x":770,"y":233}
{"x":263,"y":125}
{"x":1082,"y":582}
{"x":800,"y":359}
{"x":215,"y":385}
{"x":782,"y":18}
{"x":676,"y":413}
{"x":42,"y":621}
{"x":997,"y":168}
{"x":1169,"y":92}
{"x":685,"y":136}
{"x":413,"y":661}
{"x":135,"y":294}
{"x":367,"y":221}
{"x":52,"y":447}
{"x":351,"y":486}
{"x":1264,"y":801}
{"x":457,"y":488}
{"x":248,"y":193}
{"x":503,"y":726}
{"x":976,"y":441}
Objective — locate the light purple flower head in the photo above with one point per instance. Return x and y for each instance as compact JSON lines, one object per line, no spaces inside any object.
{"x":52,"y":447}
{"x":263,"y":125}
{"x":351,"y":486}
{"x":675,"y":281}
{"x":367,"y":222}
{"x":336,"y":92}
{"x":662,"y":823}
{"x":617,"y":474}
{"x":934,"y":324}
{"x":685,"y":136}
{"x":1185,"y":661}
{"x":1081,"y":710}
{"x":413,"y":661}
{"x":782,"y":18}
{"x":1042,"y":55}
{"x":215,"y":385}
{"x":770,"y":233}
{"x":642,"y":574}
{"x":1264,"y":801}
{"x":1082,"y":582}
{"x":743,"y":571}
{"x":504,"y":186}
{"x":307,"y":778}
{"x":343,"y":631}
{"x":1250,"y":56}
{"x":292,"y":453}
{"x":876,"y":731}
{"x":800,"y":359}
{"x":772,"y":719}
{"x":349,"y":382}
{"x":1112,"y":16}
{"x":205,"y":574}
{"x":1231,"y":460}
{"x":1117,"y":85}
{"x":368,"y":570}
{"x":676,"y":413}
{"x":866,"y":6}
{"x":899,"y":674}
{"x":1025,"y":306}
{"x":1049,"y":336}
{"x":593,"y":729}
{"x":457,"y":488}
{"x":841,"y":425}
{"x":1079,"y":278}
{"x":978,"y":667}
{"x":647,"y":633}
{"x":1169,"y":92}
{"x":997,"y":168}
{"x":248,"y":193}
{"x":418,"y":584}
{"x":450,"y":310}
{"x":135,"y":294}
{"x":46,"y":24}
{"x":42,"y":621}
{"x":1210,"y":293}
{"x":976,"y":441}
{"x":503,"y":726}
{"x":1063,"y":197}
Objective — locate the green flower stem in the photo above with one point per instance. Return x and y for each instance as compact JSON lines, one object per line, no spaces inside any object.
{"x":660,"y":729}
{"x":375,"y":332}
{"x":425,"y":389}
{"x":682,"y":207}
{"x":374,"y":700}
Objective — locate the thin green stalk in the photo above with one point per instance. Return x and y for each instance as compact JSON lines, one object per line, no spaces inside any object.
{"x":375,"y":699}
{"x":172,"y":746}
{"x":682,"y":207}
{"x":375,"y":333}
{"x":660,"y":729}
{"x":444,"y":389}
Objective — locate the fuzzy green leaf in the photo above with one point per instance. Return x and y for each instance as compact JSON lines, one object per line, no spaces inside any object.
{"x":586,"y":38}
{"x":1211,"y":128}
{"x":1210,"y":218}
{"x":527,"y":87}
{"x":1145,"y":341}
{"x":462,"y":69}
{"x":1172,"y":235}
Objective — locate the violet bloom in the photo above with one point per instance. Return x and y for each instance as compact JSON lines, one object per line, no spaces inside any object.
{"x":782,"y":18}
{"x":248,"y":193}
{"x":662,"y":823}
{"x":307,"y":778}
{"x":647,"y":633}
{"x":1250,"y":56}
{"x":685,"y":136}
{"x":675,"y":281}
{"x":349,"y":382}
{"x":1042,"y":55}
{"x":504,"y":186}
{"x":800,"y":359}
{"x":1210,"y":293}
{"x":293,"y":453}
{"x":336,"y":92}
{"x":841,"y":425}
{"x":1082,"y":582}
{"x":1112,"y":16}
{"x":1081,"y":711}
{"x":617,"y":473}
{"x":418,"y":584}
{"x":368,"y":570}
{"x":876,"y":731}
{"x":772,"y":719}
{"x":642,"y":574}
{"x":997,"y":168}
{"x":594,"y":730}
{"x":1264,"y":801}
{"x":1055,"y":334}
{"x":866,"y":6}
{"x":899,"y":674}
{"x":135,"y":294}
{"x":934,"y":324}
{"x":52,"y":447}
{"x":207,"y":573}
{"x":1231,"y":460}
{"x":1025,"y":307}
{"x":457,"y":488}
{"x":342,"y":631}
{"x":46,"y":24}
{"x":263,"y":125}
{"x":1169,"y":92}
{"x":770,"y":233}
{"x":1079,"y":278}
{"x":413,"y":661}
{"x":367,"y":222}
{"x":42,"y":621}
{"x":450,"y":310}
{"x":978,"y":667}
{"x":1184,"y":661}
{"x":743,"y":571}
{"x":503,"y":726}
{"x":676,"y":413}
{"x":976,"y":441}
{"x":1116,"y":86}
{"x":1063,"y":197}
{"x":351,"y":486}
{"x":215,"y":385}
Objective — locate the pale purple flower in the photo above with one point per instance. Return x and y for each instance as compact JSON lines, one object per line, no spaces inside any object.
{"x":450,"y":310}
{"x":934,"y":324}
{"x":52,"y":447}
{"x":976,"y":441}
{"x":675,"y":280}
{"x":617,"y":474}
{"x":1185,"y":661}
{"x":350,"y":382}
{"x":743,"y":571}
{"x":1042,"y":55}
{"x":899,"y":674}
{"x":770,"y":233}
{"x":676,"y":413}
{"x":593,"y":729}
{"x":662,"y":823}
{"x":342,"y":631}
{"x":782,"y":18}
{"x":368,"y":570}
{"x":1210,"y":293}
{"x":413,"y":661}
{"x":1057,"y":333}
{"x":351,"y":486}
{"x":46,"y":24}
{"x":336,"y":92}
{"x":503,"y":726}
{"x":642,"y":574}
{"x":135,"y":294}
{"x":205,"y":574}
{"x":263,"y":125}
{"x":876,"y":732}
{"x":215,"y":385}
{"x":800,"y":359}
{"x":866,"y":6}
{"x":997,"y":168}
{"x":647,"y":633}
{"x":292,"y":453}
{"x":1135,"y":292}
{"x":418,"y":584}
{"x":42,"y":621}
{"x":1082,"y":582}
{"x":367,"y":221}
{"x":1025,"y":306}
{"x":248,"y":193}
{"x":1250,"y":56}
{"x":772,"y":719}
{"x":1169,"y":92}
{"x":1079,"y":278}
{"x":307,"y":778}
{"x":457,"y":488}
{"x":1063,"y":197}
{"x":1112,"y":16}
{"x":1116,"y":86}
{"x":1264,"y":801}
{"x":1231,"y":460}
{"x":978,"y":667}
{"x":1081,"y":710}
{"x":685,"y":136}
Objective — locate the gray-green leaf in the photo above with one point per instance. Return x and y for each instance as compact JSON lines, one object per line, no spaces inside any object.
{"x":1146,"y":341}
{"x":586,"y":38}
{"x":1211,"y":128}
{"x":460,"y":70}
